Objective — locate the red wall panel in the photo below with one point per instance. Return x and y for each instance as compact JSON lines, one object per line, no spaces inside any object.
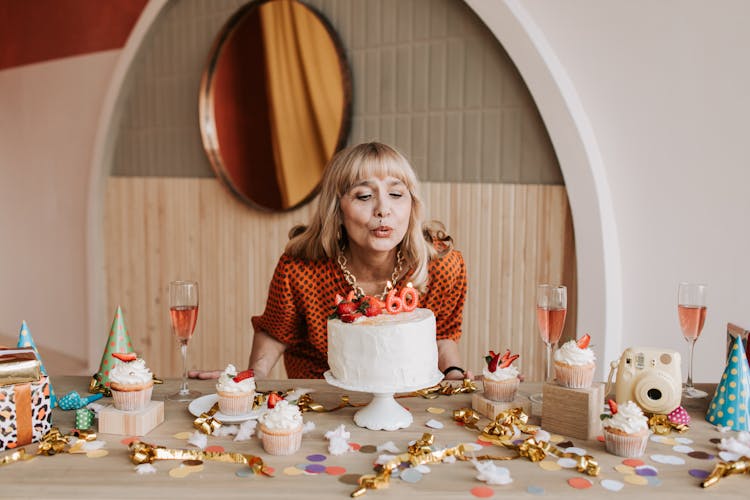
{"x":40,"y":30}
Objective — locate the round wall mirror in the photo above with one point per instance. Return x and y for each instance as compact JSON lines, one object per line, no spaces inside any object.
{"x":275,"y":103}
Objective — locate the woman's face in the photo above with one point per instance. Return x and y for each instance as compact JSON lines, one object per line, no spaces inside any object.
{"x":376,"y":214}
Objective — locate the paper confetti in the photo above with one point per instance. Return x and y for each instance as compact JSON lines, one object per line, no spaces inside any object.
{"x":542,"y":435}
{"x":699,"y":473}
{"x":482,"y":492}
{"x":668,"y":459}
{"x":434,"y":424}
{"x":681,"y":448}
{"x":384,"y":458}
{"x":388,"y":446}
{"x":335,"y":470}
{"x":579,"y":483}
{"x":424,"y":469}
{"x":435,"y":411}
{"x":637,"y":480}
{"x":338,"y":440}
{"x":97,"y":453}
{"x":612,"y":485}
{"x":293,"y":471}
{"x":700,"y":455}
{"x":625,"y":469}
{"x":308,"y":426}
{"x":411,"y":475}
{"x":145,"y":469}
{"x":646,"y":470}
{"x":683,"y":440}
{"x":179,"y":472}
{"x":198,"y":439}
{"x":490,"y":473}
{"x":739,"y":445}
{"x":549,"y":465}
{"x":567,"y":463}
{"x":186,"y":435}
{"x":224,"y":430}
{"x":633,"y":462}
{"x":729,"y":456}
{"x":577,"y":451}
{"x":315,"y":468}
{"x":535,"y":490}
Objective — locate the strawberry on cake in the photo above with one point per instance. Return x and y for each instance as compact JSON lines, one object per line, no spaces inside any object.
{"x":575,"y":363}
{"x":236,"y":391}
{"x":500,"y":377}
{"x":383,"y":345}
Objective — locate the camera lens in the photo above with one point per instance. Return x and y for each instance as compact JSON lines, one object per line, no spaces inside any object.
{"x":654,"y":394}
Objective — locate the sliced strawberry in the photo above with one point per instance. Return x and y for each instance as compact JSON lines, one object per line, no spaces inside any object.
{"x":339,"y":299}
{"x":505,"y":355}
{"x":492,"y":366}
{"x":351,"y":296}
{"x":612,"y":406}
{"x":492,"y":353}
{"x":583,"y":342}
{"x":350,"y":318}
{"x":370,"y":306}
{"x":125,"y":356}
{"x":505,"y":363}
{"x":346,"y":308}
{"x":243,"y":375}
{"x":273,"y":398}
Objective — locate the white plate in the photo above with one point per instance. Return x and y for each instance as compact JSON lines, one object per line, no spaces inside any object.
{"x":204,"y":403}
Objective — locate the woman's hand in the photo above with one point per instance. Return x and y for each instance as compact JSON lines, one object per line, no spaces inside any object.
{"x":457,"y":375}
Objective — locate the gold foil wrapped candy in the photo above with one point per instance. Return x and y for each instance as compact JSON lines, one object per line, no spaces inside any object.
{"x":145,"y":453}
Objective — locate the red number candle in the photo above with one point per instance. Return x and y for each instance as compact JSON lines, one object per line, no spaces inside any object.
{"x":393,"y":303}
{"x":409,"y":298}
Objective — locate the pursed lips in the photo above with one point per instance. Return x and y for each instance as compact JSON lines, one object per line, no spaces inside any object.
{"x":382,"y":231}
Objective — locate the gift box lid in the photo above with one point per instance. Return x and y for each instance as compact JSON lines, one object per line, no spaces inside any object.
{"x":18,"y":365}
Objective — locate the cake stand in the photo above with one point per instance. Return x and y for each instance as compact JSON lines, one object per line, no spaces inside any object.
{"x":383,"y":412}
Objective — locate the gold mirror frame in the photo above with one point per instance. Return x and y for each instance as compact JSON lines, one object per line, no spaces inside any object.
{"x":269,"y":129}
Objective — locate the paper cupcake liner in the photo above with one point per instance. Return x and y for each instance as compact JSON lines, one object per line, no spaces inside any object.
{"x":281,"y":441}
{"x":501,"y":390}
{"x":574,"y":376}
{"x":132,"y":400}
{"x":235,"y":403}
{"x":625,"y":445}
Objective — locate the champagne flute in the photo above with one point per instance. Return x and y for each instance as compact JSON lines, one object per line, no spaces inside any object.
{"x":183,"y":313}
{"x":551,"y":309}
{"x":691,"y":309}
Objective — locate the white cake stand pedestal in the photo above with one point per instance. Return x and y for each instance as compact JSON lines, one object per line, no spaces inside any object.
{"x":383,"y":412}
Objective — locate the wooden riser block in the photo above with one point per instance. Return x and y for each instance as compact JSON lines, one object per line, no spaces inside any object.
{"x":490,"y":408}
{"x":573,"y":412}
{"x":131,"y":423}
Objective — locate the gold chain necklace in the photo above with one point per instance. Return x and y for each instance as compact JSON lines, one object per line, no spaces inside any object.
{"x":352,"y":280}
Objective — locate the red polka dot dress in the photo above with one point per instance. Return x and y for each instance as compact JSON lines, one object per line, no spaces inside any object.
{"x":302,"y":295}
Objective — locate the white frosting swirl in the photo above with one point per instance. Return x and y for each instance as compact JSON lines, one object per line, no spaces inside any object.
{"x":629,"y":418}
{"x":282,"y":416}
{"x":500,"y":373}
{"x":131,"y":373}
{"x":227,"y":384}
{"x":571,"y":354}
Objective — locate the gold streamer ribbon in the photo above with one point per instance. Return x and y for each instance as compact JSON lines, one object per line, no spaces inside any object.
{"x":724,"y":469}
{"x":52,"y":443}
{"x":206,"y":422}
{"x":145,"y":453}
{"x":306,"y":403}
{"x":661,"y":424}
{"x":502,"y":430}
{"x":419,"y":453}
{"x":17,"y":456}
{"x":467,"y":386}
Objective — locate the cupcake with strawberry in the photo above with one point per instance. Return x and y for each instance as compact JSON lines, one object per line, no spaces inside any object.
{"x":236,"y":391}
{"x":131,"y":382}
{"x":575,"y":363}
{"x":500,"y":376}
{"x":280,"y":427}
{"x":626,"y":430}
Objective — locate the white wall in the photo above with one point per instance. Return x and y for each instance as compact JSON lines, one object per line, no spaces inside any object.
{"x":48,"y":117}
{"x":662,"y":85}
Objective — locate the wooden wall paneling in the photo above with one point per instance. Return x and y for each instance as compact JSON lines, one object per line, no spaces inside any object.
{"x":160,"y":229}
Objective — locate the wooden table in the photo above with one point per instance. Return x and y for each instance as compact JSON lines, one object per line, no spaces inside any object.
{"x":113,"y":476}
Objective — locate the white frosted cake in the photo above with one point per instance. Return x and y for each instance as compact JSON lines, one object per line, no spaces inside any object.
{"x":385,"y":352}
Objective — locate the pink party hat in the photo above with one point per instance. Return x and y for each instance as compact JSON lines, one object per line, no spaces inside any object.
{"x":730,"y":406}
{"x":118,"y":341}
{"x":26,"y":340}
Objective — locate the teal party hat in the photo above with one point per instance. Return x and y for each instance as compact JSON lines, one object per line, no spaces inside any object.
{"x":731,"y":402}
{"x":26,"y":340}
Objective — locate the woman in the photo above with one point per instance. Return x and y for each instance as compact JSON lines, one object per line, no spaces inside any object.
{"x":367,"y":233}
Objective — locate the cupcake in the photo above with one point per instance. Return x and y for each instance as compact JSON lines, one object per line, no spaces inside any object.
{"x":574,"y":363}
{"x":236,"y":391}
{"x":500,"y":377}
{"x":626,"y":432}
{"x":281,"y":428}
{"x":131,"y":382}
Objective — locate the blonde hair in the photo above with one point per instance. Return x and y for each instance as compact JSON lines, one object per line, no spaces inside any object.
{"x":325,"y":236}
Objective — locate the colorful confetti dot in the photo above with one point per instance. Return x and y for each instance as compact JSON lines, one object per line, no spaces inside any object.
{"x":682,"y":448}
{"x":668,"y":459}
{"x":579,"y":483}
{"x":126,"y":441}
{"x":701,"y":455}
{"x":179,"y":472}
{"x":654,"y":481}
{"x":97,"y":453}
{"x":435,"y":411}
{"x":637,"y":480}
{"x":183,"y":435}
{"x":612,"y":485}
{"x":699,"y":473}
{"x":243,"y":472}
{"x":625,"y":469}
{"x":368,"y":448}
{"x":315,"y":468}
{"x":215,"y":449}
{"x":482,"y":492}
{"x":411,"y":475}
{"x":335,"y":470}
{"x":646,"y":470}
{"x":316,"y":458}
{"x":549,"y":465}
{"x":600,"y":439}
{"x":567,"y":463}
{"x":633,"y":462}
{"x":535,"y":490}
{"x":293,"y":471}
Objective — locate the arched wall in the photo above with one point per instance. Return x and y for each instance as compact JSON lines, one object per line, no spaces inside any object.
{"x":598,"y":260}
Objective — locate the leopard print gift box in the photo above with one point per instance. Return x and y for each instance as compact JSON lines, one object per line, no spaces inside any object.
{"x":25,"y":413}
